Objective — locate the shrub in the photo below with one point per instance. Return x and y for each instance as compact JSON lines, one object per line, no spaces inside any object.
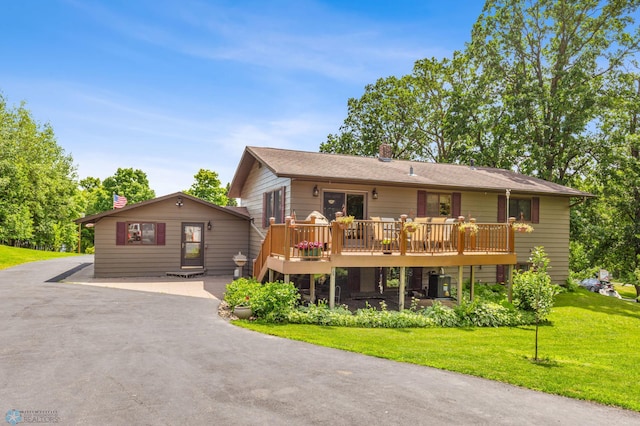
{"x":273,"y":301}
{"x":239,"y":290}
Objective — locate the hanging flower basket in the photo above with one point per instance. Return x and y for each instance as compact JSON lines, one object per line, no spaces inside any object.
{"x":410,"y":227}
{"x":345,"y":221}
{"x":522,"y":227}
{"x":469,"y":227}
{"x":310,"y":249}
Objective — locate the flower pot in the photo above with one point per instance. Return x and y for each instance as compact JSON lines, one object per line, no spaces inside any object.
{"x":312,"y":253}
{"x":242,"y":312}
{"x":386,"y":249}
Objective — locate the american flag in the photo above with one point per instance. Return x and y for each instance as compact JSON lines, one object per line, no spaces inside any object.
{"x":119,"y":201}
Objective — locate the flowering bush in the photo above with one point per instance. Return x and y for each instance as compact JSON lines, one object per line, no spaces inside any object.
{"x":307,"y":245}
{"x":469,"y":226}
{"x":522,"y":227}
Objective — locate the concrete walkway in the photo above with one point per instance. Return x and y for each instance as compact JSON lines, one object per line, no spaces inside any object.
{"x":106,"y":356}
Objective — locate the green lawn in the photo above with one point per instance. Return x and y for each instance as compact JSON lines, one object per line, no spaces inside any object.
{"x":590,"y":347}
{"x":12,"y":256}
{"x":626,"y":290}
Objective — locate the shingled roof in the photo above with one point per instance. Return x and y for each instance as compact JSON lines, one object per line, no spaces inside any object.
{"x":322,"y":167}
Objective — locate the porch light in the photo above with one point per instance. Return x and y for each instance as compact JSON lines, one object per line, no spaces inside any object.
{"x":374,"y":194}
{"x":179,"y":203}
{"x":209,"y":225}
{"x":316,"y":191}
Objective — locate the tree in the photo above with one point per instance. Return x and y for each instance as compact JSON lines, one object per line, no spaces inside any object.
{"x":207,"y":187}
{"x":546,"y":61}
{"x":418,"y":115}
{"x":132,"y":183}
{"x":37,"y":183}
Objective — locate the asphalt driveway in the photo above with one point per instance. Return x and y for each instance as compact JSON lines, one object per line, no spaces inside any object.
{"x":83,"y":354}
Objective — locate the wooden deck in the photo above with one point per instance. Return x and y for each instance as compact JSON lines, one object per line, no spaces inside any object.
{"x":303,"y":248}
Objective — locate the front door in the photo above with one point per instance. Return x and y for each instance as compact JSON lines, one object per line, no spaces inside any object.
{"x":192,"y":245}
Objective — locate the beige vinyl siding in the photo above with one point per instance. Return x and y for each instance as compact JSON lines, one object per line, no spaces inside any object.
{"x":228,"y":236}
{"x":259,"y":181}
{"x":552,"y":232}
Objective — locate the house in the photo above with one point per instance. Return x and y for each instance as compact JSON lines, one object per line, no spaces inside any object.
{"x":176,"y":234}
{"x":280,"y":187}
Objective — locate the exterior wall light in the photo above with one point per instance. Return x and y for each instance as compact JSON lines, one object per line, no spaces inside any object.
{"x":374,"y":194}
{"x":179,"y":203}
{"x":209,"y":225}
{"x":316,"y":191}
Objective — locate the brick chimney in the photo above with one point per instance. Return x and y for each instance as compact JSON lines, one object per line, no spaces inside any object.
{"x":385,"y":152}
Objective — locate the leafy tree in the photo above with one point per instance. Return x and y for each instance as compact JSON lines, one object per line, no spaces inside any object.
{"x":533,"y":291}
{"x":207,"y":186}
{"x":418,"y":115}
{"x":37,"y":183}
{"x":546,"y":61}
{"x":231,"y":201}
{"x":132,"y":183}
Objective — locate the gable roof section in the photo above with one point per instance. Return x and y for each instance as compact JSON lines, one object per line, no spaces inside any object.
{"x":240,"y":212}
{"x":322,"y":167}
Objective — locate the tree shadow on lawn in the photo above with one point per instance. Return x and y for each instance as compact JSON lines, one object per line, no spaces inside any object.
{"x":584,"y":299}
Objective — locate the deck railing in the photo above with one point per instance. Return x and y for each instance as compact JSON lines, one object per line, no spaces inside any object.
{"x":308,"y":240}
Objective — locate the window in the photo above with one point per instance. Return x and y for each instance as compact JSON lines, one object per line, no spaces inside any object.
{"x":350,"y":204}
{"x":141,"y":233}
{"x":435,"y":204}
{"x":439,"y":205}
{"x":523,"y":209}
{"x":520,"y":208}
{"x":273,"y":206}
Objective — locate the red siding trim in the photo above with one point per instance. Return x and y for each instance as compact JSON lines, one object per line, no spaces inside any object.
{"x":161,"y":236}
{"x":422,"y":204}
{"x":121,"y":233}
{"x":535,"y":210}
{"x":456,"y":204}
{"x":502,"y":208}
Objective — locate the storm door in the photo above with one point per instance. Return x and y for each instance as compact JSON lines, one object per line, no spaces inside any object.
{"x":192,"y":245}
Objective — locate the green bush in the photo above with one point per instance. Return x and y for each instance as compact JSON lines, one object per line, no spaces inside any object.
{"x":241,"y":292}
{"x":273,"y":301}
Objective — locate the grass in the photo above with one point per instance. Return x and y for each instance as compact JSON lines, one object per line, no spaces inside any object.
{"x":12,"y":256}
{"x":590,"y":349}
{"x":626,"y":290}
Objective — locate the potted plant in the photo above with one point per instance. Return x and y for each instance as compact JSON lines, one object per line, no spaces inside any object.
{"x":522,"y":227}
{"x":310,"y":249}
{"x":469,"y":227}
{"x":243,"y":309}
{"x":345,"y":221}
{"x":386,"y":246}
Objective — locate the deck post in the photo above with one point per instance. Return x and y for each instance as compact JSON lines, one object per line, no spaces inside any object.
{"x":510,"y":283}
{"x":401,"y":288}
{"x":312,"y":287}
{"x":473,"y":280}
{"x":460,"y":276}
{"x":403,"y":235}
{"x":332,"y":289}
{"x":270,"y":275}
{"x":286,"y":279}
{"x":287,"y":238}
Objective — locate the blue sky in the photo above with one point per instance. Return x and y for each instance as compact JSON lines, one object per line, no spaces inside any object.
{"x":170,"y":87}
